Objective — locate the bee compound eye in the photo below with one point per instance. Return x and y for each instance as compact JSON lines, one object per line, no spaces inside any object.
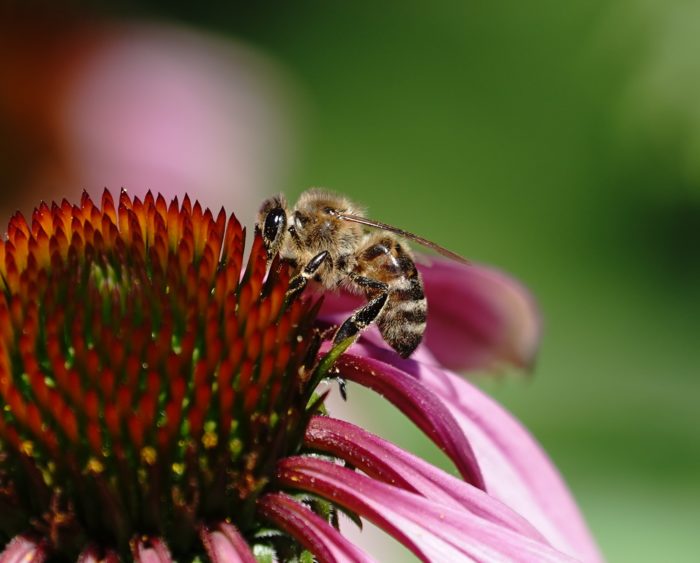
{"x":274,"y":223}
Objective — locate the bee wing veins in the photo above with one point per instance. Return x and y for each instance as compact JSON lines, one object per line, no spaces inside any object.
{"x":405,"y":234}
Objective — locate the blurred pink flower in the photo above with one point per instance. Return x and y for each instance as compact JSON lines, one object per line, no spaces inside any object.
{"x":90,"y":104}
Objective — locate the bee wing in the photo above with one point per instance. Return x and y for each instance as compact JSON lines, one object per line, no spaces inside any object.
{"x":405,"y":234}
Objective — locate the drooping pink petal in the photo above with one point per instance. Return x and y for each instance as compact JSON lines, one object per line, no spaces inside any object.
{"x":312,"y":531}
{"x":225,"y":544}
{"x":516,"y":469}
{"x":431,"y":530}
{"x":23,"y":549}
{"x":150,"y":550}
{"x":387,"y":462}
{"x":419,"y":404}
{"x":478,"y":317}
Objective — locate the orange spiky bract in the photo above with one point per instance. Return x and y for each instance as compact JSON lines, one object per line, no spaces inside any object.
{"x":146,"y":386}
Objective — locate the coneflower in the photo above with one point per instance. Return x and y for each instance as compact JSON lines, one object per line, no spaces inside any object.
{"x":159,"y":403}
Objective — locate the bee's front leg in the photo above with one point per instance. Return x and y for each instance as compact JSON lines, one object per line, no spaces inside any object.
{"x":298,"y":282}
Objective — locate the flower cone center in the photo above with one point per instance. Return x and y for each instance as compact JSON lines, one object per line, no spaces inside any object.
{"x":147,"y":386}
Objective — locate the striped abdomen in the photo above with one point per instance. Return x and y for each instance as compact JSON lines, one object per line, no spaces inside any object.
{"x":402,"y":320}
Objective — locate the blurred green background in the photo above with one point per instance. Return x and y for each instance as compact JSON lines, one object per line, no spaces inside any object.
{"x":559,"y":141}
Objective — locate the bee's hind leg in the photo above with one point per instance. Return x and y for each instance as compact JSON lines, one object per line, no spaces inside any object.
{"x":298,"y":282}
{"x":361,"y":318}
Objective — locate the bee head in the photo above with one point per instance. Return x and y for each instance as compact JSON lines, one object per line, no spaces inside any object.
{"x":272,"y":223}
{"x":313,"y":227}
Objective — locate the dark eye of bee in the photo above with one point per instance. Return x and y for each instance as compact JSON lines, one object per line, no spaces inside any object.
{"x":274,"y":223}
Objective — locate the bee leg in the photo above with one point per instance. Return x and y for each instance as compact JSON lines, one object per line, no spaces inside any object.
{"x":298,"y":282}
{"x":361,"y":318}
{"x":342,"y":387}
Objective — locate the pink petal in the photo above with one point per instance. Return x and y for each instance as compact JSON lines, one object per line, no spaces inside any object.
{"x":225,"y":544}
{"x":433,"y":531}
{"x":418,"y":403}
{"x":478,"y":318}
{"x":150,"y":550}
{"x":387,"y":462}
{"x":24,"y":549}
{"x":312,"y":531}
{"x":516,"y":469}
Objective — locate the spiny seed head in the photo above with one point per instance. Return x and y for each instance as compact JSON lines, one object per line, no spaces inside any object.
{"x":146,"y":386}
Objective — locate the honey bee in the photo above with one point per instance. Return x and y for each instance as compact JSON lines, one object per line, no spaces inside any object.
{"x":325,"y":237}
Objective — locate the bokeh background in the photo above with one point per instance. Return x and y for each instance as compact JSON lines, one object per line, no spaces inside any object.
{"x":559,"y":141}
